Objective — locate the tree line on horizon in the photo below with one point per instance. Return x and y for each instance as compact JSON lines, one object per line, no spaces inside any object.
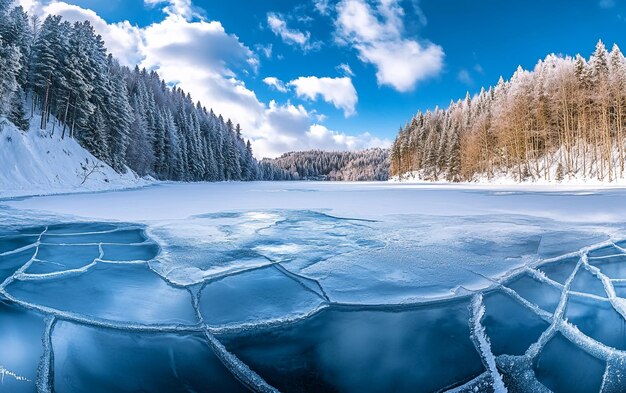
{"x":364,"y":165}
{"x":564,"y":119}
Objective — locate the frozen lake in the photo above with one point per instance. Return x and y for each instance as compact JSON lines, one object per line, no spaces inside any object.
{"x":300,"y":287}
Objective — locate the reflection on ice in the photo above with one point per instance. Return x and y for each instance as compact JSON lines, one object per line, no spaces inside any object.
{"x":505,"y":318}
{"x":543,"y":295}
{"x":587,"y":282}
{"x":13,"y":243}
{"x":124,"y":252}
{"x":614,"y":267}
{"x":101,"y":360}
{"x":10,"y":263}
{"x":56,"y":258}
{"x":598,"y":320}
{"x":366,"y":351}
{"x":21,"y":348}
{"x":124,"y":293}
{"x":261,"y":295}
{"x":563,"y":367}
{"x":560,"y":270}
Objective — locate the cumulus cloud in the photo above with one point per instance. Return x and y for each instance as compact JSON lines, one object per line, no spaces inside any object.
{"x":275,"y":83}
{"x":379,"y":38}
{"x":203,"y":59}
{"x":339,"y":92}
{"x":304,"y":134}
{"x":278,"y":25}
{"x":175,"y":7}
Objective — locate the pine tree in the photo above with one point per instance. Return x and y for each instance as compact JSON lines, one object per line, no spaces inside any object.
{"x":18,"y":115}
{"x":9,"y":71}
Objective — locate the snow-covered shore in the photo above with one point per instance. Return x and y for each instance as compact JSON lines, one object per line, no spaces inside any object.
{"x":39,"y":162}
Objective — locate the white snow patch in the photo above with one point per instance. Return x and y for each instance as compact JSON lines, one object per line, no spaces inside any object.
{"x":39,"y":162}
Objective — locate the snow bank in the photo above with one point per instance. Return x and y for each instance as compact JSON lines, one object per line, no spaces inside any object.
{"x":39,"y":162}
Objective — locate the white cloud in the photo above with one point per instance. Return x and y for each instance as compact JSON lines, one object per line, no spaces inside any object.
{"x":266,"y":50}
{"x":207,"y":62}
{"x":303,"y":134}
{"x":278,"y":25}
{"x":345,"y":69}
{"x":275,"y":83}
{"x":465,"y":77}
{"x":338,"y":91}
{"x":322,"y":6}
{"x":378,"y":36}
{"x":175,"y":7}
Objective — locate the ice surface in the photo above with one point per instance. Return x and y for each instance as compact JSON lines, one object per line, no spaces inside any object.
{"x":559,"y":271}
{"x":614,"y":380}
{"x":604,"y":252}
{"x":341,"y":289}
{"x":620,"y":289}
{"x":557,"y":243}
{"x":426,"y":258}
{"x":361,"y":350}
{"x":117,"y":252}
{"x":21,"y":348}
{"x":586,"y":282}
{"x":101,"y":360}
{"x":506,"y":318}
{"x":10,"y":263}
{"x":258,"y":296}
{"x":210,"y":246}
{"x":563,"y":367}
{"x":123,"y":236}
{"x":12,"y":243}
{"x":544,"y":295}
{"x":56,"y":258}
{"x":518,"y":375}
{"x":124,"y":293}
{"x":598,"y":320}
{"x":77,"y":228}
{"x":614,"y":266}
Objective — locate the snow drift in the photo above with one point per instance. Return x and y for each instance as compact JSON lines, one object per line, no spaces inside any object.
{"x":40,"y":162}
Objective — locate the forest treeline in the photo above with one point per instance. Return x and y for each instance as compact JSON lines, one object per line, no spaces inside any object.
{"x":61,"y":75}
{"x":564,"y":119}
{"x":370,"y":164}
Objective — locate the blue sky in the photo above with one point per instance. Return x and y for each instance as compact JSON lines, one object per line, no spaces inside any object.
{"x":338,"y":74}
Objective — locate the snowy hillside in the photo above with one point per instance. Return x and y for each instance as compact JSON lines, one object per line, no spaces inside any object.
{"x":40,"y":162}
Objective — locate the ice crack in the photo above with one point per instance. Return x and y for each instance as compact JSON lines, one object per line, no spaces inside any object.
{"x":483,"y":344}
{"x":7,"y":373}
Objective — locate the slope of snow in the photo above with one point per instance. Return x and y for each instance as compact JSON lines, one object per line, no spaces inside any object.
{"x":40,"y":162}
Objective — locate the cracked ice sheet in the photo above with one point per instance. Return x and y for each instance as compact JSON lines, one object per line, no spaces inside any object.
{"x":216,"y":245}
{"x":428,"y":258}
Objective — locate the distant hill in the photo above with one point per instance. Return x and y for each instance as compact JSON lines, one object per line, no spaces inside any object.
{"x":371,"y":164}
